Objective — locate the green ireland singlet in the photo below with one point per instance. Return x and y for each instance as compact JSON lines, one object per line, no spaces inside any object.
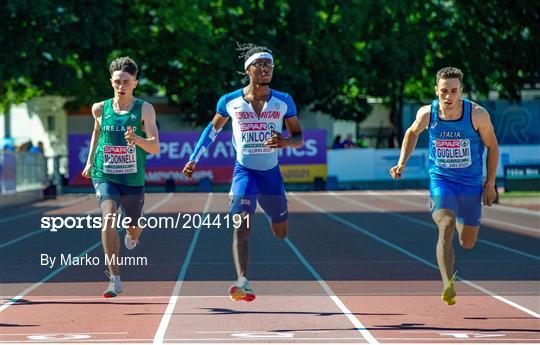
{"x":114,"y":159}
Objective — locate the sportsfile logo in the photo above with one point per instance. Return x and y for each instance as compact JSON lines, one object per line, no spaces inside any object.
{"x":253,"y":126}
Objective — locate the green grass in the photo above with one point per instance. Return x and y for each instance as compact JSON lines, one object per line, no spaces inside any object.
{"x":519,"y":194}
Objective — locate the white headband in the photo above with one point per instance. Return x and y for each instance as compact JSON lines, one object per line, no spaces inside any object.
{"x":263,"y":55}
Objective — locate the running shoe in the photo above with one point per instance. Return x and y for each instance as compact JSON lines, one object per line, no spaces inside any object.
{"x":449,"y":292}
{"x":241,"y":291}
{"x":115,"y":286}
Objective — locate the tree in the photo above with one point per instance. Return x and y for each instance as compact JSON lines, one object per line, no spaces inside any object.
{"x":330,"y":55}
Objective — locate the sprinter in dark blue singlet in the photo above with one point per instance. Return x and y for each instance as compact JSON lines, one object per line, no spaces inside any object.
{"x":458,"y":132}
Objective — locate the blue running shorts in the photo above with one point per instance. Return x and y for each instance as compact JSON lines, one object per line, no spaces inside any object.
{"x":265,"y":186}
{"x":464,"y":200}
{"x":129,"y":198}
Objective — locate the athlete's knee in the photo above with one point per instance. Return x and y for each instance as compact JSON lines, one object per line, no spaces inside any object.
{"x":446,"y":229}
{"x":446,"y":225}
{"x":467,"y":236}
{"x":280,"y":230}
{"x":109,"y":208}
{"x":467,"y":243}
{"x":468,"y":240}
{"x":280,"y":235}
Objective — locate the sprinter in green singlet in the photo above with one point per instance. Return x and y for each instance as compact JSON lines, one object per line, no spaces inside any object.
{"x":124,"y":132}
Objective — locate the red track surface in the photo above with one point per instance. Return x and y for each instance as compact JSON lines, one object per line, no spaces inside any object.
{"x":357,"y":267}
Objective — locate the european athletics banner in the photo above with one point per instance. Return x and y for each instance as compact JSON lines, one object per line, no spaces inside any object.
{"x":297,"y":165}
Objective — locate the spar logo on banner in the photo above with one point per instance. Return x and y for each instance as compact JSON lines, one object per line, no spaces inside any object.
{"x":455,"y":153}
{"x":298,"y":165}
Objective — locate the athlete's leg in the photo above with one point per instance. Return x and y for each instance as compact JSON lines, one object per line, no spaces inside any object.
{"x":240,"y":246}
{"x":109,"y":198}
{"x":467,"y":235}
{"x":469,"y":215}
{"x":243,"y":203}
{"x":132,"y":203}
{"x":109,"y":235}
{"x":275,"y":207}
{"x":446,"y":223}
{"x":444,"y":207}
{"x":280,"y":230}
{"x":273,"y":201}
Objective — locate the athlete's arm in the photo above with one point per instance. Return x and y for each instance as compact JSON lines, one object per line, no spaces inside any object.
{"x":296,"y":138}
{"x":151,"y":143}
{"x":482,"y":124}
{"x":410,"y":139}
{"x":97,"y":110}
{"x":205,"y":140}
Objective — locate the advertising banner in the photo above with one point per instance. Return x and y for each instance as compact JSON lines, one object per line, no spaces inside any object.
{"x":297,"y":165}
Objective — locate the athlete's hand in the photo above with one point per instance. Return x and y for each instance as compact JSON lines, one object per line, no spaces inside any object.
{"x":277,"y":140}
{"x":131,"y":137}
{"x":86,"y":172}
{"x":189,"y":168}
{"x":397,"y":170}
{"x":489,"y":194}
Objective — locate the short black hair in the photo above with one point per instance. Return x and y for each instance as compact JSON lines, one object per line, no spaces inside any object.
{"x":246,"y":50}
{"x":124,"y":64}
{"x":449,"y":73}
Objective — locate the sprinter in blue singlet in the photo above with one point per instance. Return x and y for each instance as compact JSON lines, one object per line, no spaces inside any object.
{"x":458,"y":132}
{"x":258,"y":114}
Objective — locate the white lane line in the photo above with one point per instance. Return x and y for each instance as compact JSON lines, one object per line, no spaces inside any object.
{"x":61,"y":268}
{"x":357,"y":324}
{"x":30,"y":234}
{"x":47,"y":209}
{"x":535,"y":231}
{"x":160,"y":333}
{"x":529,"y":229}
{"x":20,"y":238}
{"x":414,"y":256}
{"x":431,"y":225}
{"x":516,"y":210}
{"x":512,"y":250}
{"x":331,"y":294}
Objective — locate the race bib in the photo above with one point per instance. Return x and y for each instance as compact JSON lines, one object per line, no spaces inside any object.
{"x":119,"y":159}
{"x":454,"y":153}
{"x":253,"y":136}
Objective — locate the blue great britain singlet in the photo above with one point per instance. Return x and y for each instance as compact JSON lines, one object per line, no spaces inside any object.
{"x":455,"y":147}
{"x":251,"y":131}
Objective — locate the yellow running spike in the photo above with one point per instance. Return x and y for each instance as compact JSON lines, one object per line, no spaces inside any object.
{"x":449,"y":292}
